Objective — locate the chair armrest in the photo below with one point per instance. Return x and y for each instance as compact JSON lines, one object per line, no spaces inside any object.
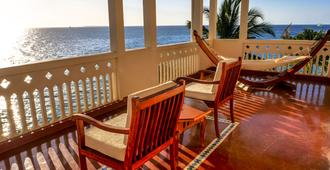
{"x":189,"y":79}
{"x":202,"y":73}
{"x":99,"y":124}
{"x":206,"y":71}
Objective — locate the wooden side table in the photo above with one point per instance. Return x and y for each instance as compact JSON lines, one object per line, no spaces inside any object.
{"x":190,"y":116}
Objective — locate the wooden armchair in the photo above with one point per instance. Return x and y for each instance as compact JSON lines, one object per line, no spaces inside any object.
{"x":129,"y":140}
{"x":220,"y":90}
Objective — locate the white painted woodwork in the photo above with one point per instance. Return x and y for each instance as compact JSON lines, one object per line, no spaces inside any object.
{"x":116,"y":20}
{"x":244,"y":20}
{"x":150,"y":27}
{"x":213,"y":19}
{"x":196,"y":17}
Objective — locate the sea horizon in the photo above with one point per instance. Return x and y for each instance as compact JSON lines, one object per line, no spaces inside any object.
{"x":87,"y":26}
{"x":39,"y":44}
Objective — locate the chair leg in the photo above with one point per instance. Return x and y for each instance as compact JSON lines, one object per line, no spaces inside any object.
{"x":82,"y":162}
{"x":216,"y":122}
{"x":232,"y":110}
{"x":174,"y":154}
{"x":202,"y":133}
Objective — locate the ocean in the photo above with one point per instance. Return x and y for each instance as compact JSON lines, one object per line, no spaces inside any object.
{"x":40,"y":44}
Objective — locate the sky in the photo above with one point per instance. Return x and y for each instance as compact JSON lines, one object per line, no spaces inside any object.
{"x":65,"y":13}
{"x":295,"y":11}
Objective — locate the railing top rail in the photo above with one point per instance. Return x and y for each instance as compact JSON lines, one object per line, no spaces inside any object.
{"x":52,"y":64}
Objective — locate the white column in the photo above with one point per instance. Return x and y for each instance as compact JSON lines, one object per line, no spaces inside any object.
{"x":196,"y":17}
{"x":116,"y":22}
{"x":150,"y":27}
{"x":213,"y":20}
{"x":244,"y":20}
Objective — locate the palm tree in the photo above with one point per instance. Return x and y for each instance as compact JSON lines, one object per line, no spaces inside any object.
{"x":309,"y":34}
{"x":228,"y":21}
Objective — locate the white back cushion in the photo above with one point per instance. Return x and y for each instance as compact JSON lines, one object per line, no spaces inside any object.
{"x":142,"y":94}
{"x":218,"y":72}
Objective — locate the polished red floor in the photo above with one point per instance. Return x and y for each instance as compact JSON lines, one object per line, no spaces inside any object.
{"x":278,"y":130}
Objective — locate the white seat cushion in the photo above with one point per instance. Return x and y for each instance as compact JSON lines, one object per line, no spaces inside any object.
{"x":111,"y":144}
{"x":200,"y":91}
{"x":114,"y":144}
{"x":206,"y":91}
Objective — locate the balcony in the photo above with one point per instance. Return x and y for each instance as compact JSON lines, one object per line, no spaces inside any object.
{"x":281,"y":128}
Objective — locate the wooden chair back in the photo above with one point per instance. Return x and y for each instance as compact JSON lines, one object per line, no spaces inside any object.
{"x":153,"y":124}
{"x":229,"y":77}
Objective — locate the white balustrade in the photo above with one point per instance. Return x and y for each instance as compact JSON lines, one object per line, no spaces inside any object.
{"x":36,"y":95}
{"x":178,"y":60}
{"x":272,"y":49}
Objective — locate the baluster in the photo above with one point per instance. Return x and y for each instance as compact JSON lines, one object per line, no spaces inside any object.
{"x":317,"y":65}
{"x":191,"y":64}
{"x":10,"y":118}
{"x":52,"y":104}
{"x":111,"y":96}
{"x":172,"y":68}
{"x":33,"y":111}
{"x":22,"y":113}
{"x":164,"y":70}
{"x":311,"y":66}
{"x":105,"y":96}
{"x":160,"y":69}
{"x":196,"y":62}
{"x":43,"y":108}
{"x":114,"y":86}
{"x":91,"y":85}
{"x":98,"y":91}
{"x":77,"y":96}
{"x":83,"y":83}
{"x":185,"y":65}
{"x":175,"y":69}
{"x":69,"y":92}
{"x":167,"y":73}
{"x":323,"y":65}
{"x":181,"y":66}
{"x":61,"y":99}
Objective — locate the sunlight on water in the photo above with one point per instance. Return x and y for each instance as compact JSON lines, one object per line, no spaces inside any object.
{"x":12,"y":29}
{"x":10,"y":35}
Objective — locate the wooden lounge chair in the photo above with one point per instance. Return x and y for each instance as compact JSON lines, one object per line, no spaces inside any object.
{"x":270,"y":81}
{"x":219,"y":91}
{"x":129,"y":140}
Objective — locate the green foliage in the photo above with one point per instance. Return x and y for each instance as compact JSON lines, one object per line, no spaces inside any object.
{"x":228,"y":21}
{"x":307,"y":34}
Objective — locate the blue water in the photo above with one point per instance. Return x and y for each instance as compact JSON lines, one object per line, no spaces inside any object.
{"x":50,"y":43}
{"x":295,"y":29}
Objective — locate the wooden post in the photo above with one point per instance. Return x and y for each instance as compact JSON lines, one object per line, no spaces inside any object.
{"x":213,"y":20}
{"x":150,"y":27}
{"x":116,"y":22}
{"x":196,"y":17}
{"x":244,"y":20}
